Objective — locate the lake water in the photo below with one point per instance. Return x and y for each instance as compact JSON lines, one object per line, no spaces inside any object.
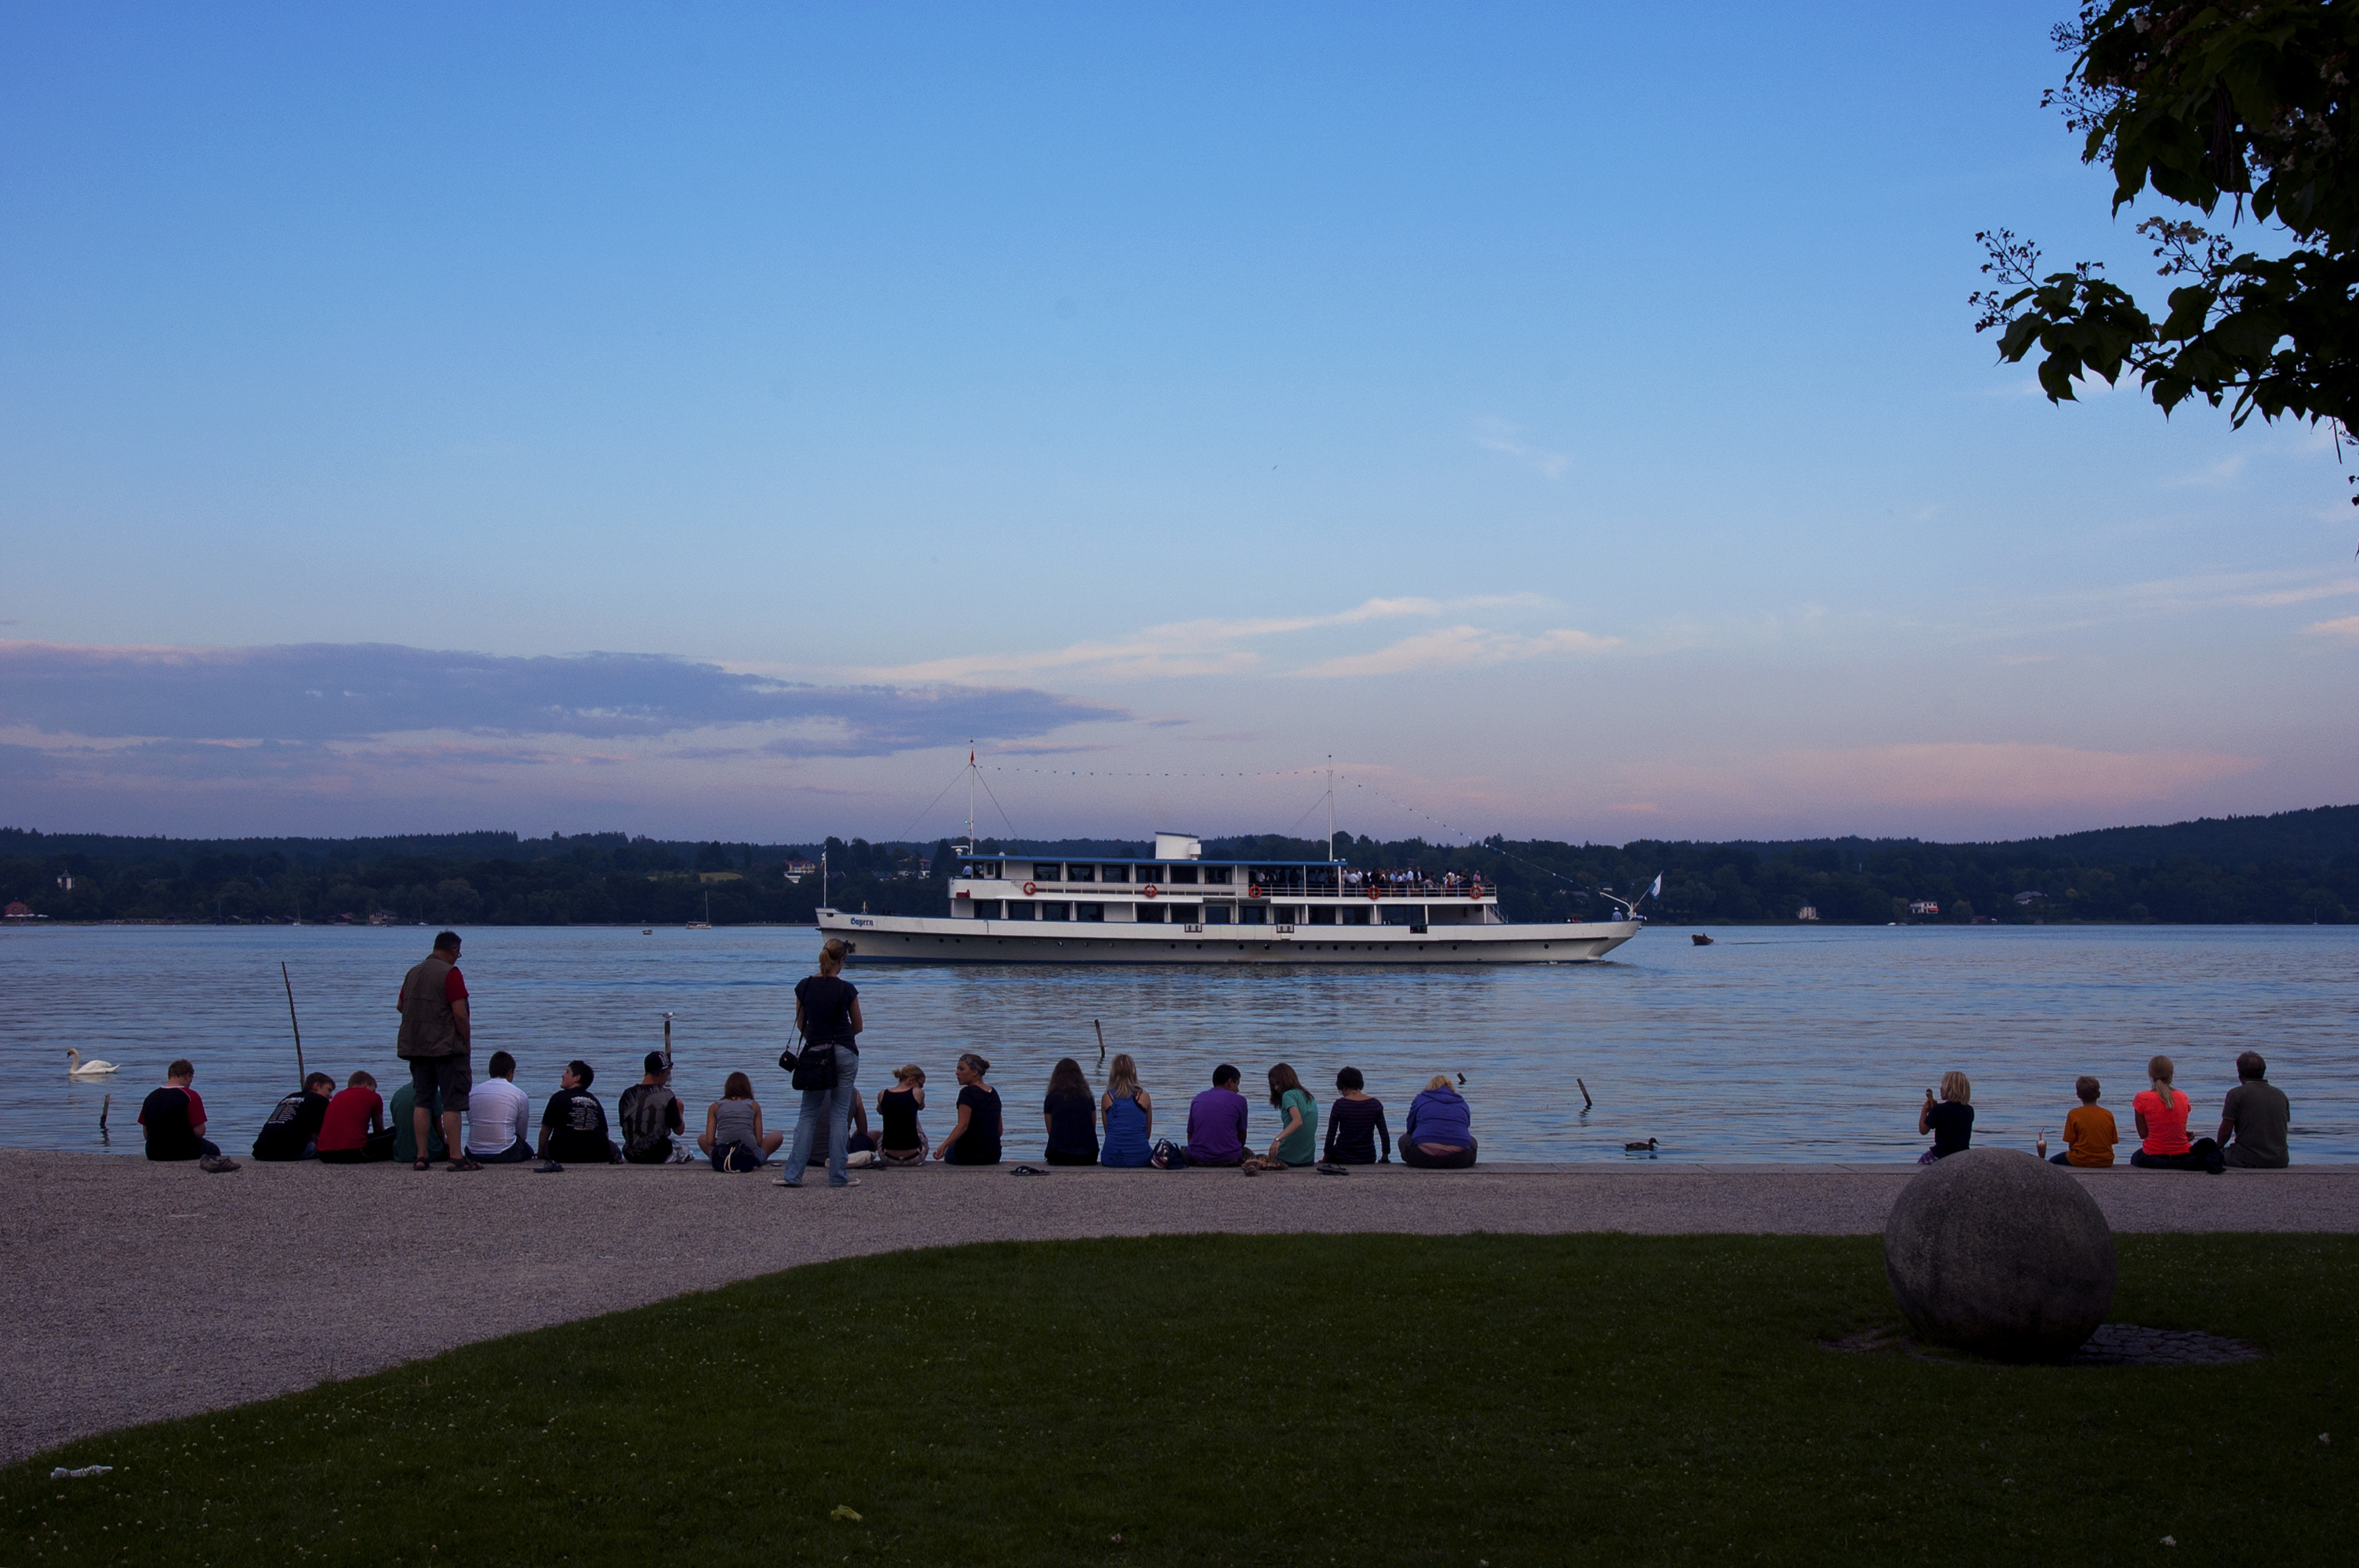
{"x":1772,"y":1044}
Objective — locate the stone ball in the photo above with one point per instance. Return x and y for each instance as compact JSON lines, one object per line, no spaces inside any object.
{"x":1997,"y":1253}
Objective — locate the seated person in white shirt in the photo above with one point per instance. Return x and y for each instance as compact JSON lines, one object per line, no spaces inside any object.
{"x":499,"y":1116}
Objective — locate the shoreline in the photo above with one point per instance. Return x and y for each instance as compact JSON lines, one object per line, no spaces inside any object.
{"x":279,"y":1277}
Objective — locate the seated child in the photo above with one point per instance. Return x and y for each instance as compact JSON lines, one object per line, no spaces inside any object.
{"x":293,"y":1131}
{"x":2089,"y":1131}
{"x":353,"y":1131}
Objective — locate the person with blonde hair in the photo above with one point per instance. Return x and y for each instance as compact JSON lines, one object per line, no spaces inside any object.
{"x":734,"y":1135}
{"x":1129,"y":1115}
{"x":1440,"y":1131}
{"x":827,"y":1012}
{"x":900,"y":1140}
{"x":975,"y":1140}
{"x":1951,"y":1119}
{"x":2161,"y":1113}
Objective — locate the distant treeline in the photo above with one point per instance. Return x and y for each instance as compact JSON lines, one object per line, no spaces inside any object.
{"x":2295,"y":867}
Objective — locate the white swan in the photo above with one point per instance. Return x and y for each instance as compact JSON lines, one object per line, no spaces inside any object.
{"x":78,"y":1068}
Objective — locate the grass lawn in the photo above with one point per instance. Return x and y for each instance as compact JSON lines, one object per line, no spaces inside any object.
{"x":1355,"y":1399}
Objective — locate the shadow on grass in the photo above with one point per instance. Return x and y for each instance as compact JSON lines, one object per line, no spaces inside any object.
{"x":1469,"y":1400}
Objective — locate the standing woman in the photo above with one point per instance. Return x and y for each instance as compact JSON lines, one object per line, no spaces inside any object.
{"x":1297,"y":1143}
{"x":827,"y":1010}
{"x":1951,"y":1120}
{"x":2162,"y":1127}
{"x":1072,"y":1118}
{"x":975,"y":1139}
{"x":1129,"y":1115}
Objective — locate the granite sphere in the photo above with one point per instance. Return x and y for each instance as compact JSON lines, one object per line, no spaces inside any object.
{"x":1999,"y":1253}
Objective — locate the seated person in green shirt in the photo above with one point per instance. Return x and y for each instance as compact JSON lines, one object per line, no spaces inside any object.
{"x":405,"y":1134}
{"x":1297,"y":1143}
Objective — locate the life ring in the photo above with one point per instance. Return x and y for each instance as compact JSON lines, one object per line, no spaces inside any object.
{"x":1253,"y":890}
{"x":1031,"y":888}
{"x":1374,"y":893}
{"x":1149,"y":891}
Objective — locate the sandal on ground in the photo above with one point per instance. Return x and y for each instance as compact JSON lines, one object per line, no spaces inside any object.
{"x":466,"y":1163}
{"x":1329,"y":1168}
{"x":216,"y":1163}
{"x":421,"y":1163}
{"x":1028,"y":1171}
{"x":546,"y":1167}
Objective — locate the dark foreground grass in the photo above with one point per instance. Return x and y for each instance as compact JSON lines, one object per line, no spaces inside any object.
{"x":1357,"y":1400}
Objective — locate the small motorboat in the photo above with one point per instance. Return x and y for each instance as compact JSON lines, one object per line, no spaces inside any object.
{"x":1699,"y":938}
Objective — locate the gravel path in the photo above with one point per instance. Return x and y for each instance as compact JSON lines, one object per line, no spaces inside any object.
{"x":136,"y":1291}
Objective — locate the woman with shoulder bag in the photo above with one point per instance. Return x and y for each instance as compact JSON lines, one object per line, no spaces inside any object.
{"x":827,"y":1011}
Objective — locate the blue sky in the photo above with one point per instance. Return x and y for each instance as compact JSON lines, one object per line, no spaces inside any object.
{"x":1566,"y":417}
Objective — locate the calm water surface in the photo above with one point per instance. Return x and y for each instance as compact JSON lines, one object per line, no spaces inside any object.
{"x":1775,"y":1045}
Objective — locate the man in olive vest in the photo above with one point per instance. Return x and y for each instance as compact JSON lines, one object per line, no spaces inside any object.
{"x":436,"y":1041}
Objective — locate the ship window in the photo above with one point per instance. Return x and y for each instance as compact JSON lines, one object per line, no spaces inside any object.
{"x":1152,"y":913}
{"x":1185,"y":914}
{"x":1218,"y":874}
{"x":1056,"y":911}
{"x":1254,"y":915}
{"x":1081,"y":873}
{"x":1217,"y":914}
{"x":1323,"y":914}
{"x":1182,"y":874}
{"x":1356,"y":916}
{"x":1114,"y":874}
{"x":1089,"y":911}
{"x":1017,"y":908}
{"x":1046,"y":872}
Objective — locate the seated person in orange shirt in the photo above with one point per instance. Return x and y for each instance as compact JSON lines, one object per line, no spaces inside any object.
{"x":2161,"y":1113}
{"x":2089,"y":1131}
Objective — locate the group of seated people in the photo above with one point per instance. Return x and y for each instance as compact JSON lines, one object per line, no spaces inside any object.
{"x":2253,"y":1120}
{"x":354,"y":1125}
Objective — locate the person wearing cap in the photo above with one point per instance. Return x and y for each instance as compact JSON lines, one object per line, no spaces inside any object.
{"x":573,"y":1124}
{"x":650,"y":1114}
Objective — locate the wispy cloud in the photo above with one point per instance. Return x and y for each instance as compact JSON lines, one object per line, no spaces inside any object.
{"x":1180,"y":647}
{"x":1458,"y":647}
{"x":2012,"y":775}
{"x":1497,"y":436}
{"x":2345,"y":628}
{"x":2221,"y":472}
{"x":2333,"y":588}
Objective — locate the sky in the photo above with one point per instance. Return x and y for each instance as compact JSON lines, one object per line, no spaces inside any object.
{"x":711,"y":421}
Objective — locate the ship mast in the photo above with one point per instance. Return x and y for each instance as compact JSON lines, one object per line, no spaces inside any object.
{"x":1330,"y":807}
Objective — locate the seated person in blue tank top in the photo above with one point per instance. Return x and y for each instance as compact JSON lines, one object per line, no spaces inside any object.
{"x":1070,"y":1117}
{"x":1129,"y":1115}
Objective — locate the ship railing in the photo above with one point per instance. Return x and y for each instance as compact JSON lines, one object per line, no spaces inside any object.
{"x":1430,"y":888}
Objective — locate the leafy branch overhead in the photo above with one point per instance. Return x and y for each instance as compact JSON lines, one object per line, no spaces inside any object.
{"x":2248,"y":106}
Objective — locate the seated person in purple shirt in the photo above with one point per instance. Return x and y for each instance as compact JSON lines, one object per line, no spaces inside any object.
{"x":1216,"y":1121}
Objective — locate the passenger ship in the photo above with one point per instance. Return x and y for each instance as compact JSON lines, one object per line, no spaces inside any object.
{"x":1180,"y":909}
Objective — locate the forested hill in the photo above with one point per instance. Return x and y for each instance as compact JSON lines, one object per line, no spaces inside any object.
{"x":2297,"y":866}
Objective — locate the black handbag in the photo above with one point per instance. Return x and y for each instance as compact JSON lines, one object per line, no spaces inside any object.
{"x":813,"y":1071}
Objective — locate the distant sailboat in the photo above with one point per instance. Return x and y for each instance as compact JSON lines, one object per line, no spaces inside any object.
{"x":705,"y":923}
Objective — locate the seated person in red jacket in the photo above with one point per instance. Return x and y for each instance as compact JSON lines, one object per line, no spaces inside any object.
{"x":353,"y":1131}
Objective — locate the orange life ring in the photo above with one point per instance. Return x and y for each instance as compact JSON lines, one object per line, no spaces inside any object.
{"x":1031,"y":888}
{"x":1253,"y":890}
{"x":1374,"y":893}
{"x":1149,"y":891}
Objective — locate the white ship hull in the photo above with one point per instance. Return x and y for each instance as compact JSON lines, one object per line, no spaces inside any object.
{"x":901,"y":938}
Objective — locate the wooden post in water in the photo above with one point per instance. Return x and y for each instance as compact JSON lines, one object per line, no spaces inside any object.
{"x":288,"y":982}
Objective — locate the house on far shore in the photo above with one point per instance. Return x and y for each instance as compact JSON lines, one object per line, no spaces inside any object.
{"x":1808,"y":911}
{"x":1923,"y":906}
{"x":16,"y":912}
{"x":796,"y":871}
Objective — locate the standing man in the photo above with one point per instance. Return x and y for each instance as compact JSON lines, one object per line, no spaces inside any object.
{"x":436,"y":1041}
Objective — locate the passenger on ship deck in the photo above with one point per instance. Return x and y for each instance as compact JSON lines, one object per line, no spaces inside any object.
{"x":2161,"y":1114}
{"x":1951,"y":1119}
{"x":1217,"y":1120}
{"x":1070,"y":1118}
{"x":1129,"y":1115}
{"x":1356,"y":1122}
{"x":2256,"y":1115}
{"x":1297,"y":1143}
{"x":1441,"y":1132}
